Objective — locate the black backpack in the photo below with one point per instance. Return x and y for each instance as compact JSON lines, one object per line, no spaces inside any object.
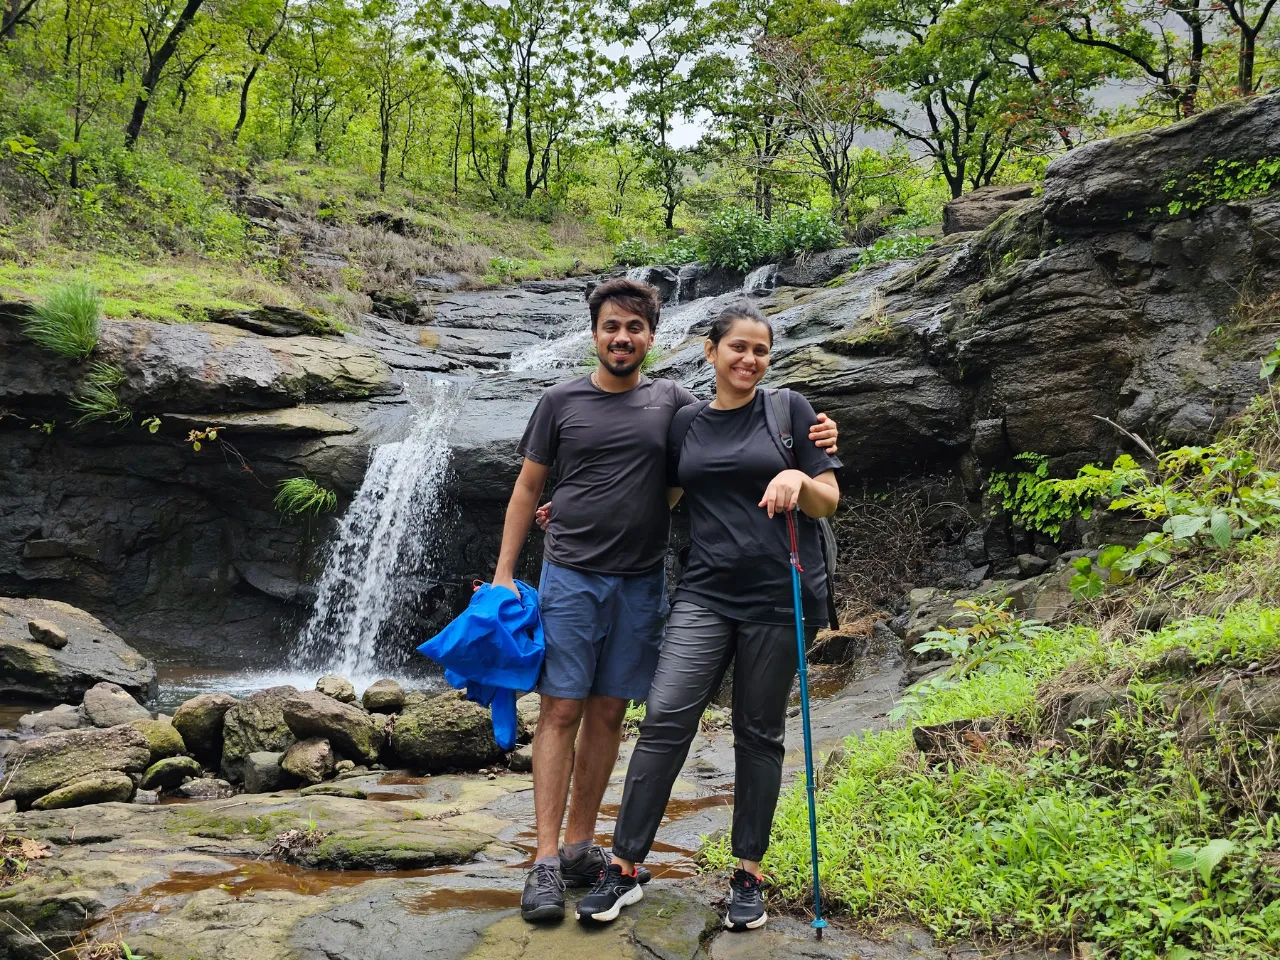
{"x":777,"y":415}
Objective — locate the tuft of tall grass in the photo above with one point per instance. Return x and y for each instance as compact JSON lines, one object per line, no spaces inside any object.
{"x":99,"y":399}
{"x":67,"y":322}
{"x":302,"y":495}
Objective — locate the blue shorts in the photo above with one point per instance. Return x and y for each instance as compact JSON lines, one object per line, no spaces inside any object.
{"x":602,"y":634}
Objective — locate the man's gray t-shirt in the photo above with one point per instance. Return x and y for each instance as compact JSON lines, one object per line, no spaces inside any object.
{"x":609,"y":514}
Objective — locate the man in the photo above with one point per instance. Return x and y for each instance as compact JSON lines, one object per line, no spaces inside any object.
{"x":603,"y":588}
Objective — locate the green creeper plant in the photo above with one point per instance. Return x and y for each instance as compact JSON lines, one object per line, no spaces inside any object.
{"x":99,"y":399}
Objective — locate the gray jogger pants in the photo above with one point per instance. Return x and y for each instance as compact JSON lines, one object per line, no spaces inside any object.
{"x":696,"y":652}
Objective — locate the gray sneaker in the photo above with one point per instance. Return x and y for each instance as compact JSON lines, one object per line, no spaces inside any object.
{"x":543,"y":897}
{"x":587,"y":868}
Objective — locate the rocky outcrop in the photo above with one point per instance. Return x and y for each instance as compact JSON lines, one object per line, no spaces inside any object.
{"x":445,"y":732}
{"x":37,"y":767}
{"x":980,"y":208}
{"x":92,"y":654}
{"x":255,"y":724}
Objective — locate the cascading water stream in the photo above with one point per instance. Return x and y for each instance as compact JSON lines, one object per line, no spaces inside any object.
{"x":383,"y":548}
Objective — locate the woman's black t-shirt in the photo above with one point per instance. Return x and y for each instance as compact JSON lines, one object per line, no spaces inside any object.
{"x":739,"y":560}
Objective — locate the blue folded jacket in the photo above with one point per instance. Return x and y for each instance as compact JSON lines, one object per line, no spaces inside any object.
{"x":493,"y":648}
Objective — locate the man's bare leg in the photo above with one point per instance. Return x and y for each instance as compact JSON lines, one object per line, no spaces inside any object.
{"x":593,"y":765}
{"x":553,"y":761}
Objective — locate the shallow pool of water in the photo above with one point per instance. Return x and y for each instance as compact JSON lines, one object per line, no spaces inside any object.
{"x":179,"y":682}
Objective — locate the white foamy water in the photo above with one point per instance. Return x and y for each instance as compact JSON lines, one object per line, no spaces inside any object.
{"x":760,"y":280}
{"x":383,"y":549}
{"x":557,"y":353}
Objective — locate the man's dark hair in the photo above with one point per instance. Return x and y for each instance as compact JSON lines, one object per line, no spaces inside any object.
{"x":742,"y":309}
{"x":640,"y":298}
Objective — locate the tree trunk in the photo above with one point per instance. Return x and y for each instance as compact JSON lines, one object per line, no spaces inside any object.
{"x":244,"y":103}
{"x":11,"y":14}
{"x":151,"y":78}
{"x":1248,"y":43}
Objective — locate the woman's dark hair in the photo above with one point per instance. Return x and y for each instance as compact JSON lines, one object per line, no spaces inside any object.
{"x":640,"y":298}
{"x":738,"y":310}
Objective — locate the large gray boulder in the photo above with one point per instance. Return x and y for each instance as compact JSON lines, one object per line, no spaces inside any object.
{"x":980,"y":208}
{"x":383,"y":696}
{"x":169,"y":772}
{"x":445,"y":732}
{"x":107,"y":705}
{"x":200,"y":722}
{"x":91,"y":655}
{"x":815,"y":269}
{"x":310,"y":760}
{"x":36,"y":767}
{"x":339,"y":688}
{"x":97,"y":788}
{"x":263,"y":773}
{"x":349,"y":729}
{"x":255,"y":724}
{"x":62,"y":717}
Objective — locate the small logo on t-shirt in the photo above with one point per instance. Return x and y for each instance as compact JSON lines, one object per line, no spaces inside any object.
{"x":653,"y":408}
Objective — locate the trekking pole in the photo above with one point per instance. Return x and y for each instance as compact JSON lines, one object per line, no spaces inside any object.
{"x":818,"y":922}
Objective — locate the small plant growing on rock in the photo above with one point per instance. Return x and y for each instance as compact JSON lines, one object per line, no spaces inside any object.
{"x":68,"y":320}
{"x":1035,"y":502}
{"x":99,"y":400}
{"x":302,"y":495}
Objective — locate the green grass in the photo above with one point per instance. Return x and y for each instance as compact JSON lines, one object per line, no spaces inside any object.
{"x":1026,"y":840}
{"x":99,"y":399}
{"x":170,"y":291}
{"x":67,"y":320}
{"x":302,"y":495}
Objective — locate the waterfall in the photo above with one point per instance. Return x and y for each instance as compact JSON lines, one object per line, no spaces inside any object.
{"x":383,"y":550}
{"x":639,"y":274}
{"x":567,"y":351}
{"x":760,"y":280}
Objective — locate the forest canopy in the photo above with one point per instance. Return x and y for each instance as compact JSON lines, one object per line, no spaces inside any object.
{"x":641,"y":119}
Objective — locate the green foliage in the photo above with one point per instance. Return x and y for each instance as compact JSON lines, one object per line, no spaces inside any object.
{"x":894,"y":248}
{"x":983,"y":644}
{"x":298,"y":496}
{"x":1203,"y":498}
{"x":98,"y":399}
{"x":685,"y":248}
{"x":1036,"y":503}
{"x":67,"y":320}
{"x":1269,"y":363}
{"x":805,"y":231}
{"x":1015,"y":840}
{"x":1220,"y":181}
{"x":737,"y":239}
{"x":633,"y":253}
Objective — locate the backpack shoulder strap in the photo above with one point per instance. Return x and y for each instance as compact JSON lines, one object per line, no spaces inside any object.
{"x":777,"y":415}
{"x":681,"y":423}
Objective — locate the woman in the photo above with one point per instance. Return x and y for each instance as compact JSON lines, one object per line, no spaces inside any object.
{"x":733,"y":604}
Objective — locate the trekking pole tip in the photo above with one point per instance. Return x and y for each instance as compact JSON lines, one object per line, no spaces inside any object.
{"x":819,"y":925}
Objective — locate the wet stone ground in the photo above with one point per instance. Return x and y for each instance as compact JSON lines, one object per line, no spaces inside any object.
{"x":428,"y":867}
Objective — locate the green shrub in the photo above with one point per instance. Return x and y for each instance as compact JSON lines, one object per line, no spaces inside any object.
{"x":1037,"y":503}
{"x":68,"y":320}
{"x":98,"y":400}
{"x":632,"y":253}
{"x":302,"y":495}
{"x":805,"y":231}
{"x":894,"y":248}
{"x":737,"y":239}
{"x":685,"y":248}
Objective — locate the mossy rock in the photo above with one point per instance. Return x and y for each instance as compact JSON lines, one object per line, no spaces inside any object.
{"x":400,"y":846}
{"x":99,"y":788}
{"x":445,"y":732}
{"x":169,"y":772}
{"x":162,"y":737}
{"x":200,"y":721}
{"x":255,"y":725}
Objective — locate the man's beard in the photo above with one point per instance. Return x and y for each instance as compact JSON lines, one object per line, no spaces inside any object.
{"x":621,"y":367}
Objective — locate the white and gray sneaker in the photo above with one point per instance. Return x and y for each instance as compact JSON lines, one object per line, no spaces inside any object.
{"x":613,"y":891}
{"x":543,"y":897}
